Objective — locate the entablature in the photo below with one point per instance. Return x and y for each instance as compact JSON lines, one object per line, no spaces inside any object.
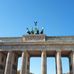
{"x":38,"y":38}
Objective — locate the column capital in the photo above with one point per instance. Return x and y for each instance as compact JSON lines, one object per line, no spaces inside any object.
{"x":58,"y":50}
{"x":44,"y":52}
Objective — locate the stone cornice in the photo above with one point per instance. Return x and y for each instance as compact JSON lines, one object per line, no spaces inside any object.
{"x":36,"y":43}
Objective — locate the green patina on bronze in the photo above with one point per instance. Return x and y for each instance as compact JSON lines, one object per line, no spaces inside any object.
{"x":35,"y":30}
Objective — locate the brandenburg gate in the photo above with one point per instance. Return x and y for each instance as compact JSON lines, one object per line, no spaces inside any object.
{"x":35,"y":45}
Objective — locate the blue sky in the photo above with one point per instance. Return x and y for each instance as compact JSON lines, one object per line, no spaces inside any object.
{"x":56,"y":16}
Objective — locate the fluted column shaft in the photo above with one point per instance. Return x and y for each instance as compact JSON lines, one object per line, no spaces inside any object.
{"x":43,"y":63}
{"x":8,"y":67}
{"x":14,"y":63}
{"x":58,"y":63}
{"x":25,"y":63}
{"x":2,"y":62}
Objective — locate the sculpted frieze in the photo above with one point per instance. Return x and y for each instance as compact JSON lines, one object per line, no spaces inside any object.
{"x":34,"y":38}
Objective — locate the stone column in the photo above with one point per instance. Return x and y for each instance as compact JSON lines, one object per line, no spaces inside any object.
{"x":2,"y":62}
{"x":25,"y":69}
{"x":8,"y":67}
{"x":43,"y":63}
{"x":58,"y":63}
{"x":71,"y":62}
{"x":14,"y":63}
